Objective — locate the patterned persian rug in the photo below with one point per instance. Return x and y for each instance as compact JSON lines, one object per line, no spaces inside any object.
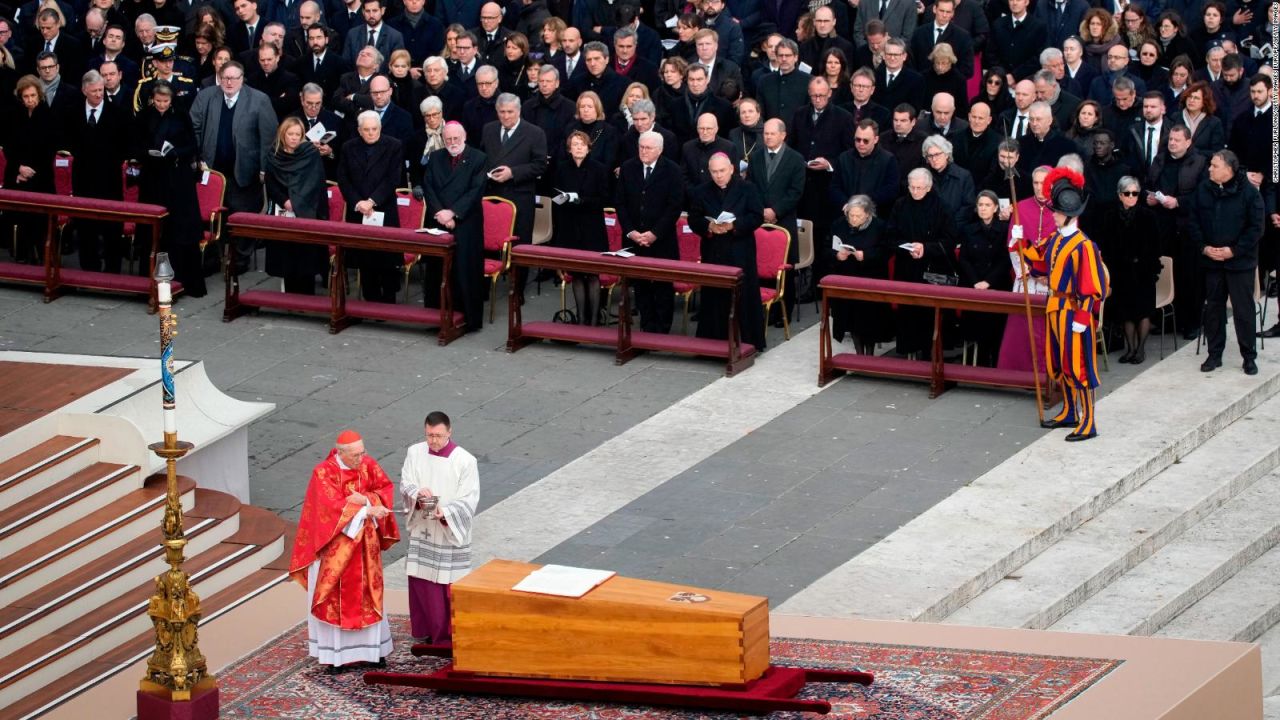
{"x":279,"y":681}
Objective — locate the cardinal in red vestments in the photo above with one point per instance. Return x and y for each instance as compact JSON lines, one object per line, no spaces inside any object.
{"x":347,"y":521}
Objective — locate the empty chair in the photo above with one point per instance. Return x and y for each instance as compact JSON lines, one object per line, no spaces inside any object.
{"x":772,"y":244}
{"x":499,"y":234}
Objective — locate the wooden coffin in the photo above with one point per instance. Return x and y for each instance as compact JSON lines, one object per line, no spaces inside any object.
{"x":624,"y":630}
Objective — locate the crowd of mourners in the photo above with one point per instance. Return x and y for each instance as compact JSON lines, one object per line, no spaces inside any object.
{"x":911,"y":134}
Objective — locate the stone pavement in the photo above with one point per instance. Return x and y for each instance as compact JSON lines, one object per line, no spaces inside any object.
{"x":806,"y":480}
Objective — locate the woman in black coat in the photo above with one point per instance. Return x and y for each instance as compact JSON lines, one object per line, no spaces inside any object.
{"x":368,"y":169}
{"x":732,"y":243}
{"x":944,"y":77}
{"x":29,"y":140}
{"x":578,"y":217}
{"x":1130,"y":241}
{"x":985,"y":265}
{"x":1199,"y":113}
{"x":168,"y":178}
{"x":603,"y":136}
{"x":920,"y":221}
{"x":295,"y":184}
{"x":860,"y":229}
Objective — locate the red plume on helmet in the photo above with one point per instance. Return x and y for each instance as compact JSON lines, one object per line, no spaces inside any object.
{"x":1059,"y":173}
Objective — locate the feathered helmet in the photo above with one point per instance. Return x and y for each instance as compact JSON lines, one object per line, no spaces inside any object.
{"x":1064,"y":188}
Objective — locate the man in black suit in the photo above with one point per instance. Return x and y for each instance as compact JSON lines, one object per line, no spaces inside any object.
{"x":314,"y":113}
{"x":278,"y":84}
{"x":113,"y":51}
{"x":491,"y":36}
{"x":453,"y":185}
{"x":904,"y":139}
{"x":117,"y":92}
{"x":784,"y":90}
{"x":942,"y":30}
{"x":696,"y":154}
{"x":895,"y":82}
{"x":682,"y":116}
{"x":352,"y":94}
{"x":98,"y":136}
{"x":867,"y":169}
{"x":1063,"y":103}
{"x":820,"y":132}
{"x":373,"y":32}
{"x":1016,"y":42}
{"x":1044,"y":145}
{"x":395,"y":120}
{"x":940,"y":118}
{"x":482,"y":108}
{"x":246,"y":31}
{"x":462,"y":69}
{"x":422,"y":32}
{"x":516,"y":156}
{"x":435,"y":76}
{"x":628,"y":64}
{"x":320,"y":66}
{"x":64,"y":99}
{"x":1145,"y":138}
{"x":650,"y":196}
{"x":569,"y":62}
{"x":368,"y":173}
{"x":863,"y":86}
{"x":778,"y":172}
{"x":824,"y":38}
{"x":1250,"y":140}
{"x":600,"y":78}
{"x":51,"y":38}
{"x":720,"y":70}
{"x":975,"y":149}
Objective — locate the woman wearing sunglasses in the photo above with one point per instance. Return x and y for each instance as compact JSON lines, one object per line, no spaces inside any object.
{"x":1130,"y":247}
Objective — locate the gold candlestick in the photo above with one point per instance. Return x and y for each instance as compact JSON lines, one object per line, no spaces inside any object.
{"x":176,"y":668}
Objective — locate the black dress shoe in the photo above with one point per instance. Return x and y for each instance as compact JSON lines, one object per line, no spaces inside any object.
{"x":1077,"y":437}
{"x":1126,"y":358}
{"x":1250,"y":367}
{"x":1191,"y":334}
{"x":1210,"y":364}
{"x":1271,"y":332}
{"x":1055,"y":424}
{"x":1138,"y":357}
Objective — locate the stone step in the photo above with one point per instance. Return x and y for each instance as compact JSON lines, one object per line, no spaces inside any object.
{"x":43,"y":464}
{"x":1241,"y":609}
{"x":1093,"y":555}
{"x":1187,"y":569}
{"x":940,"y":561}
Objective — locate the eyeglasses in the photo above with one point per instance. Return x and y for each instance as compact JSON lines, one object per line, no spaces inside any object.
{"x":1129,"y":193}
{"x":934,"y":155}
{"x":50,"y":66}
{"x":993,"y":81}
{"x":893,"y":54}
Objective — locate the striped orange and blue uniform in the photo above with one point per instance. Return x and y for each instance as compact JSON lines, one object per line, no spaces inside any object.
{"x":1078,"y":284}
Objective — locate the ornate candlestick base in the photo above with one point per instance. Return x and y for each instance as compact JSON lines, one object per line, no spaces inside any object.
{"x":178,"y":683}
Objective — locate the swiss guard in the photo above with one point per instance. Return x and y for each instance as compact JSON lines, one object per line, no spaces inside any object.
{"x":1078,"y":283}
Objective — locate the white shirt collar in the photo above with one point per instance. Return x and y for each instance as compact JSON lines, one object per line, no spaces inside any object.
{"x":513,"y":129}
{"x":88,"y":107}
{"x":1019,"y":19}
{"x":230,"y":101}
{"x":1069,"y":229}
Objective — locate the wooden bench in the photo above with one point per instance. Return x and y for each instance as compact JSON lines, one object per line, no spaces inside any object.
{"x":339,"y":237}
{"x":52,"y":276}
{"x":935,"y":370}
{"x":628,"y":343}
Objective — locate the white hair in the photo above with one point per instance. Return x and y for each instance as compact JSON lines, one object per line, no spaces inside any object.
{"x":368,"y":116}
{"x":922,"y":175}
{"x":653,"y":136}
